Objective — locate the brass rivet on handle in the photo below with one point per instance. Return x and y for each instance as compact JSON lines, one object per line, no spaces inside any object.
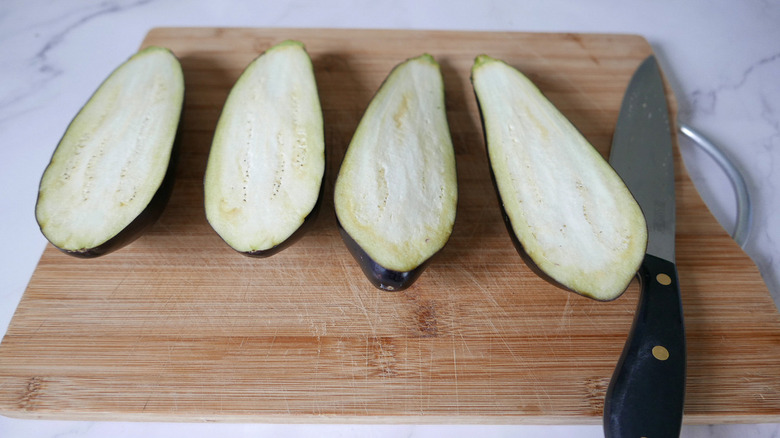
{"x":663,"y":279}
{"x":660,"y":353}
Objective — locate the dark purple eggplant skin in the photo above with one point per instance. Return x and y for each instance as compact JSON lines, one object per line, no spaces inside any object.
{"x":379,"y":276}
{"x":140,"y":224}
{"x":308,"y":223}
{"x":515,"y":241}
{"x":147,"y":217}
{"x":508,"y":222}
{"x":519,"y":246}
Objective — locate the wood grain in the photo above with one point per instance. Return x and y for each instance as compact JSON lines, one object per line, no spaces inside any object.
{"x":177,"y":326}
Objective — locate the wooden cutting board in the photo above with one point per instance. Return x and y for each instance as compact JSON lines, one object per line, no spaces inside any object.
{"x":177,"y":326}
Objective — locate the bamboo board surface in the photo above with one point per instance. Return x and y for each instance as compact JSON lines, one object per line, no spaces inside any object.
{"x":177,"y":326}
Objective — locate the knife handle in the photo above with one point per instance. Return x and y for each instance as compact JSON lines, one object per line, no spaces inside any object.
{"x":646,"y":394}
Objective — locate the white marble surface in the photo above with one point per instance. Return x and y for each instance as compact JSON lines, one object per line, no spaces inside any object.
{"x":722,"y":57}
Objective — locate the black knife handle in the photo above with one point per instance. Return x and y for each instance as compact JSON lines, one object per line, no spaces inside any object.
{"x":646,"y":394}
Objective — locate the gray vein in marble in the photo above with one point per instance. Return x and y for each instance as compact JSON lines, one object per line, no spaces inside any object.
{"x":705,"y":101}
{"x":766,"y":221}
{"x":41,"y":68}
{"x":56,"y":39}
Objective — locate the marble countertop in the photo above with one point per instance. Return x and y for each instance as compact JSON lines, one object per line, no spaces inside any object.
{"x":721,"y":57}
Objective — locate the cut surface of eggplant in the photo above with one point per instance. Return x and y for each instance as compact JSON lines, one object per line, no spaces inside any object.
{"x":396,"y":192}
{"x":569,"y":212}
{"x":265,"y":169}
{"x":111,"y":174}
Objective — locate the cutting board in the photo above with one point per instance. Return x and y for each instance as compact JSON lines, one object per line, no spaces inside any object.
{"x":177,"y":326}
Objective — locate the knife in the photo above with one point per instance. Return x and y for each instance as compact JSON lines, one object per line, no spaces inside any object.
{"x":645,"y":396}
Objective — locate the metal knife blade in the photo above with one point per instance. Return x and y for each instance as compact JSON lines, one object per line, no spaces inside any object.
{"x":645,"y":397}
{"x":642,"y":154}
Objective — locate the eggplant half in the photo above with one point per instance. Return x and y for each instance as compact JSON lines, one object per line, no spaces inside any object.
{"x":265,"y":170}
{"x":396,"y":191}
{"x":570,"y":215}
{"x":111,"y":175}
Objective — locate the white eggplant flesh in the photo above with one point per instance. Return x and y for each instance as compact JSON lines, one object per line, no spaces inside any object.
{"x":111,"y":174}
{"x":396,"y":192}
{"x":569,"y":213}
{"x":266,"y":166}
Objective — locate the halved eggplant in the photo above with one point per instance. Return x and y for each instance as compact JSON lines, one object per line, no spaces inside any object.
{"x":396,"y":191}
{"x":264,"y":176}
{"x":569,"y":213}
{"x":112,"y":173}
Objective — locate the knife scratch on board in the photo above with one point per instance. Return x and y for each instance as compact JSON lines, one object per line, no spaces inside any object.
{"x":566,"y":314}
{"x":455,"y":377}
{"x":271,"y":347}
{"x":358,"y":302}
{"x":146,"y":403}
{"x":515,"y":359}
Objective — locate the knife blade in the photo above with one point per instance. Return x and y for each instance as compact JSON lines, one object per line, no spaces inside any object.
{"x":645,"y":397}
